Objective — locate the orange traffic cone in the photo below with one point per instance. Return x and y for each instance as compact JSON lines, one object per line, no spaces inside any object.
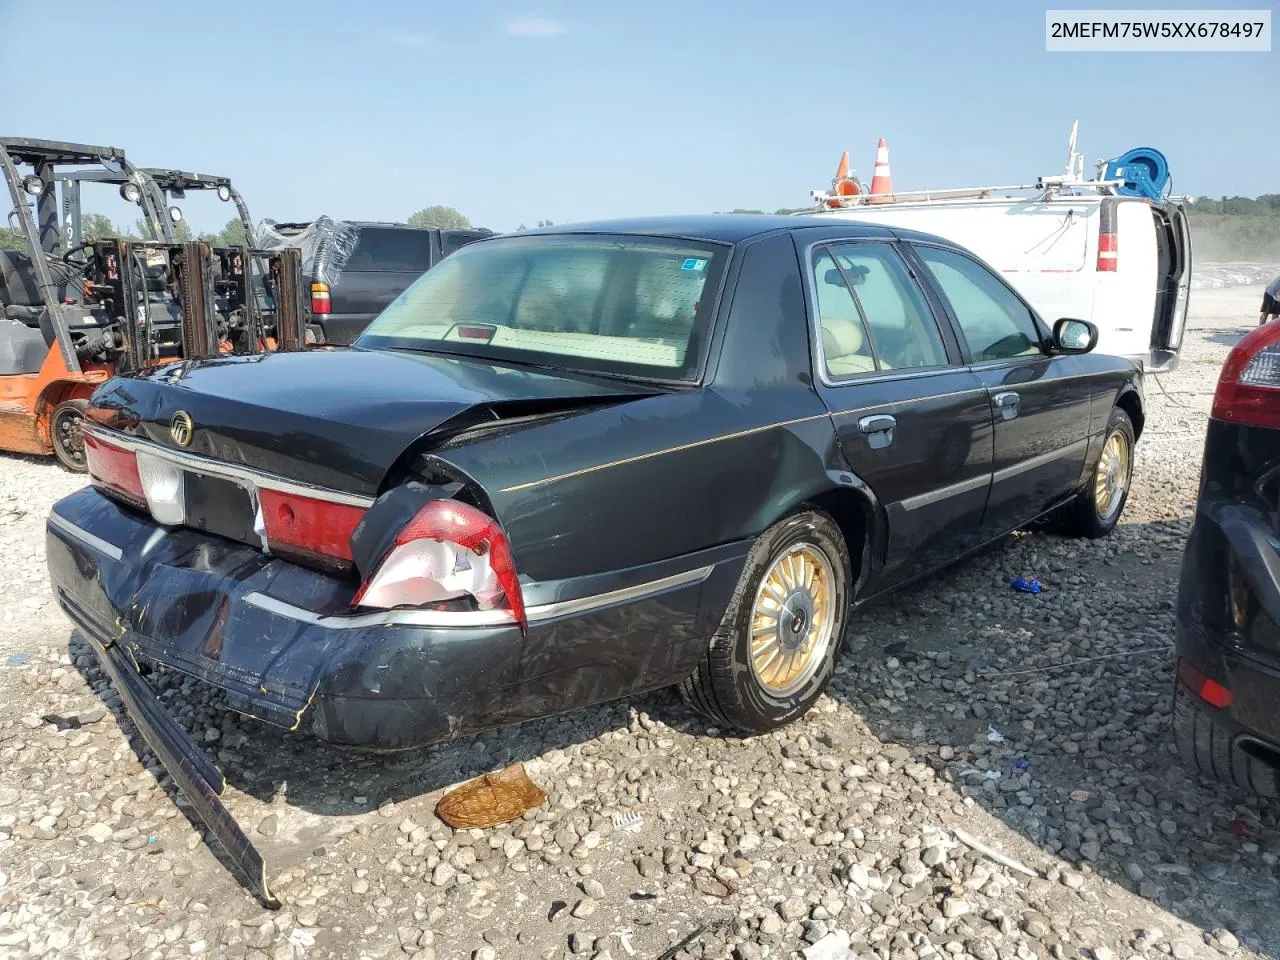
{"x":841,"y":174}
{"x":844,"y":183}
{"x":881,"y":179}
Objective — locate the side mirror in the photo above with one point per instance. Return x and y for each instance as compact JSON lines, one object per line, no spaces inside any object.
{"x":175,"y":214}
{"x":1074,"y":336}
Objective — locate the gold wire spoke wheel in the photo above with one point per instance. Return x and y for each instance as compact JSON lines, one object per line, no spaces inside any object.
{"x":792,"y":619}
{"x":1111,"y":479}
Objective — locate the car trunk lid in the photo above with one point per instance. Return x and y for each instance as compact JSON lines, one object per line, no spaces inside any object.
{"x":331,"y":418}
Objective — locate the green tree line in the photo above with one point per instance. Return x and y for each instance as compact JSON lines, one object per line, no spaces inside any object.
{"x":1236,"y":228}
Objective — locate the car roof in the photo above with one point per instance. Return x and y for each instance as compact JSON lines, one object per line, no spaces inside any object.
{"x":727,"y":227}
{"x":297,"y":226}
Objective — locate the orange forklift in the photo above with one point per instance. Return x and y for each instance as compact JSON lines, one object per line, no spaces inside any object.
{"x":76,"y":315}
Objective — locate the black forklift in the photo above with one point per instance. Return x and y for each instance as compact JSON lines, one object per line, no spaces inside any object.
{"x":77,"y":311}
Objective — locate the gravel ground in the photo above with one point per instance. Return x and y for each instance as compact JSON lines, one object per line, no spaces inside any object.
{"x":1038,"y":725}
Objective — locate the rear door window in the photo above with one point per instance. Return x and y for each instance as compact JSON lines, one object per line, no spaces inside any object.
{"x":995,"y":323}
{"x":394,"y":251}
{"x":902,"y":330}
{"x":846,"y":348}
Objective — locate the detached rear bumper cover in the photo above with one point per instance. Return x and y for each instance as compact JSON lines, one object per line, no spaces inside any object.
{"x":190,"y":768}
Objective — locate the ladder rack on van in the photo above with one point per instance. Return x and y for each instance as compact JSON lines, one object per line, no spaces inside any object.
{"x":1046,"y":187}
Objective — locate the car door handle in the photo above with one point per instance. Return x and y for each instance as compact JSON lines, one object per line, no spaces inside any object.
{"x":879,"y":430}
{"x":1007,"y":404}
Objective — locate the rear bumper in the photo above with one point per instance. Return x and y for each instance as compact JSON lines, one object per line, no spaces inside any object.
{"x":1241,"y":653}
{"x":341,"y":329}
{"x":257,"y":628}
{"x":280,"y":641}
{"x":1156,"y":361}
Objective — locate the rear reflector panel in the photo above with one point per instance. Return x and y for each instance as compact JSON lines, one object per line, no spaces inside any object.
{"x":315,"y":529}
{"x":1206,"y":688}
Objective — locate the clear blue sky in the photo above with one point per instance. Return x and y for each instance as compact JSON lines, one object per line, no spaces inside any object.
{"x":518,"y":111}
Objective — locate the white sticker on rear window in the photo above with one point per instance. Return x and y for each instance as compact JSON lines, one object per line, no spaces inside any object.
{"x":694,"y":265}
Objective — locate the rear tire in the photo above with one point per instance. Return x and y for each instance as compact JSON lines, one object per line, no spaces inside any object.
{"x":1098,"y":507}
{"x":776,"y":647}
{"x":1206,"y":747}
{"x":66,"y":434}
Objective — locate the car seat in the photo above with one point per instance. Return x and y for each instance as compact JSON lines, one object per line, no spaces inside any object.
{"x":845,"y":348}
{"x":22,"y":348}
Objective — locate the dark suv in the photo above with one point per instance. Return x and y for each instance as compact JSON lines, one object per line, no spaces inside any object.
{"x":1227,"y":695}
{"x":355,"y":269}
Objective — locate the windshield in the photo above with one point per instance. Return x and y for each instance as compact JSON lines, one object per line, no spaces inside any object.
{"x":635,"y":306}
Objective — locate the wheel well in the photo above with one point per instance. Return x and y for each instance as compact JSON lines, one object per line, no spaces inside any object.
{"x":1131,"y":405}
{"x":61,"y":390}
{"x":853,"y":515}
{"x":54,"y":394}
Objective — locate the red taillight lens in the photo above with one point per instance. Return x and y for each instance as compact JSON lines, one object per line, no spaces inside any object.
{"x":449,"y":550}
{"x":320,"y":302}
{"x":115,"y":468}
{"x":1206,"y":688}
{"x":469,"y":332}
{"x":316,"y":530}
{"x":1249,"y":385}
{"x":1108,"y":251}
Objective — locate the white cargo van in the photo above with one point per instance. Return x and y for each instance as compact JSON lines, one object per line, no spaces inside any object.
{"x":1072,"y":249}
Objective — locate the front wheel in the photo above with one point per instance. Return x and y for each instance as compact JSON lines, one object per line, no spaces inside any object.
{"x":1096,"y":510}
{"x":66,"y":434}
{"x":776,"y":647}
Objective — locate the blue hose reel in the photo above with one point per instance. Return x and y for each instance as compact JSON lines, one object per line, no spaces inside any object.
{"x":1143,"y":172}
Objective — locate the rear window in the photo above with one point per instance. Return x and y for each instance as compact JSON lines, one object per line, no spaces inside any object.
{"x":638,"y":306}
{"x":396,"y":251}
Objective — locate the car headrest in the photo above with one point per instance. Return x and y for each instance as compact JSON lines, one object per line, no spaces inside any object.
{"x":841,"y":337}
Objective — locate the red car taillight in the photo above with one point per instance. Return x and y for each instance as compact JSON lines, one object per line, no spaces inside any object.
{"x":448,"y":551}
{"x":1108,"y":252}
{"x":320,"y":302}
{"x":115,"y":468}
{"x":315,"y":529}
{"x":1249,"y":386}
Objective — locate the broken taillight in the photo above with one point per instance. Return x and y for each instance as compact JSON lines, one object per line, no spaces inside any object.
{"x":320,"y":302}
{"x":114,"y":468}
{"x":316,"y":530}
{"x":448,"y":551}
